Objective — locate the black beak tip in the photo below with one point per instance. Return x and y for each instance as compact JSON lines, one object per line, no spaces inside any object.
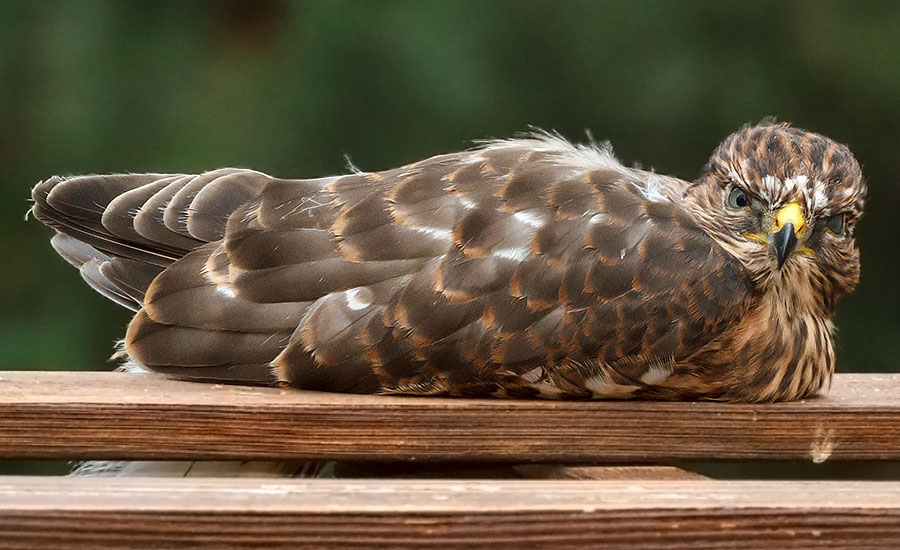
{"x":784,"y":241}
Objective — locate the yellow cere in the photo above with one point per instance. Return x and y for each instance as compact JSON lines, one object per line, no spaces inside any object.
{"x":790,"y":213}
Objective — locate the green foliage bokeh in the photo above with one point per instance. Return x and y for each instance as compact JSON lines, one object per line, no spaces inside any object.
{"x":290,"y":87}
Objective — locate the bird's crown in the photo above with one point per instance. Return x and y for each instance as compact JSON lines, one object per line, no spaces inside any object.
{"x":782,"y":164}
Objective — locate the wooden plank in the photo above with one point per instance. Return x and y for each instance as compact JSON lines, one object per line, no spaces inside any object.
{"x":141,"y":416}
{"x":121,"y":513}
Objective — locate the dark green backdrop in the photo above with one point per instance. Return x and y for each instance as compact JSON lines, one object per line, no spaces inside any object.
{"x":290,"y":87}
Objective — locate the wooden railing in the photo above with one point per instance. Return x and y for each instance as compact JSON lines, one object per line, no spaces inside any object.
{"x":145,"y":417}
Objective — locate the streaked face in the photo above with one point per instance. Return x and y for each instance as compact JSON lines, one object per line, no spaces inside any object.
{"x":788,"y":200}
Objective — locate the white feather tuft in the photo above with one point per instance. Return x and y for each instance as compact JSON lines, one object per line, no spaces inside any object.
{"x":820,"y":198}
{"x":655,"y":189}
{"x":579,"y":157}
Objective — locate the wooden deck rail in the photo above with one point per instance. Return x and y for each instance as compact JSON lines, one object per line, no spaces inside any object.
{"x":133,"y":416}
{"x":130,"y":416}
{"x":237,"y":513}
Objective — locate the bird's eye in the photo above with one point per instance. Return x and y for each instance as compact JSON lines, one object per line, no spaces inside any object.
{"x":835,"y":224}
{"x":738,"y":198}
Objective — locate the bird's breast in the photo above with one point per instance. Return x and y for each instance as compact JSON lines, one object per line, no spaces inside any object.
{"x":772,"y":354}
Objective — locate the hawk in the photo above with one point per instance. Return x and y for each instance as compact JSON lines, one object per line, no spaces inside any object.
{"x":526,"y":267}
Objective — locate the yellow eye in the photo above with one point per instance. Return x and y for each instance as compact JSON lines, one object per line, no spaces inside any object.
{"x":738,"y":198}
{"x":835,"y":224}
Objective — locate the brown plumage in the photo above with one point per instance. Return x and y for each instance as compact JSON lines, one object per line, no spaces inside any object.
{"x":525,"y":268}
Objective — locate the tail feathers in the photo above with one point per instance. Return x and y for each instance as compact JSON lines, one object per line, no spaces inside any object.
{"x":123,"y":230}
{"x":76,"y":206}
{"x":121,"y":280}
{"x":130,"y":277}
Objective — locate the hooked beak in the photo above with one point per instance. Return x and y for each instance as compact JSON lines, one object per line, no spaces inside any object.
{"x":789,"y":222}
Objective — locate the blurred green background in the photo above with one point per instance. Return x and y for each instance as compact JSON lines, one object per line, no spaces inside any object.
{"x":290,"y":87}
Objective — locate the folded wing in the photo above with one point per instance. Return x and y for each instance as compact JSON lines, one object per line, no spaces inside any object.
{"x":527,"y":267}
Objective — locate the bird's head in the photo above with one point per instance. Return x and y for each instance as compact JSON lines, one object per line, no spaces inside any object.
{"x":785,"y":201}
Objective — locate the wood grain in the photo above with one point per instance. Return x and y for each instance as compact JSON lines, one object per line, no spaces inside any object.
{"x":118,"y":513}
{"x":134,"y":416}
{"x":608,"y":473}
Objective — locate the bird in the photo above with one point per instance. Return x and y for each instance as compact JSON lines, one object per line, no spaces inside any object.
{"x":529,"y":267}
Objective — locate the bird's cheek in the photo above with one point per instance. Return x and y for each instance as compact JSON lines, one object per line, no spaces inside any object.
{"x":755,"y":228}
